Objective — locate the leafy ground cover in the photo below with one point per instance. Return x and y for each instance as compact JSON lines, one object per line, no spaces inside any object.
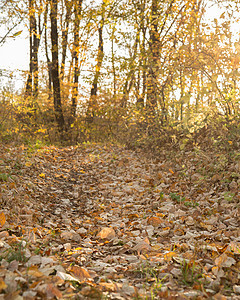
{"x":105,"y":222}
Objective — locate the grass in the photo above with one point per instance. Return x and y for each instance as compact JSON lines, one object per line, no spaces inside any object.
{"x":4,"y":177}
{"x":16,"y":252}
{"x":179,"y":199}
{"x":150,"y":274}
{"x":190,"y":273}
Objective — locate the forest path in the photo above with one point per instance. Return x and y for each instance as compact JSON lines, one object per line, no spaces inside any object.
{"x":104,"y":222}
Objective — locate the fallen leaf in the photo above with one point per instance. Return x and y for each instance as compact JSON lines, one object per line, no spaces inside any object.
{"x":236,"y":289}
{"x":107,"y":233}
{"x":53,"y":292}
{"x":33,"y":271}
{"x":169,"y":255}
{"x":80,"y":272}
{"x":110,"y":286}
{"x":224,"y":261}
{"x":3,"y":285}
{"x":154,"y":221}
{"x":91,"y":292}
{"x":142,"y":246}
{"x":2,"y":219}
{"x":66,"y":277}
{"x":219,"y":296}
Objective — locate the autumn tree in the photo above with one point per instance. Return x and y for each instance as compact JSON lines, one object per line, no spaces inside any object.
{"x":55,"y":66}
{"x":76,"y":51}
{"x":35,"y":32}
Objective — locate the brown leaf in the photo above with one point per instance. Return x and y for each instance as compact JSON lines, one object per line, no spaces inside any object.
{"x":33,"y":271}
{"x":142,"y":246}
{"x":110,"y":286}
{"x":66,"y":235}
{"x":80,"y":273}
{"x":91,"y":292}
{"x":4,"y":234}
{"x":224,"y":261}
{"x":216,"y":178}
{"x":234,"y":248}
{"x":107,"y":233}
{"x":154,"y":221}
{"x":219,"y":296}
{"x":52,"y":292}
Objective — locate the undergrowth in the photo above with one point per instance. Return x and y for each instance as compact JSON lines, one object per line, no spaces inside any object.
{"x":132,"y":127}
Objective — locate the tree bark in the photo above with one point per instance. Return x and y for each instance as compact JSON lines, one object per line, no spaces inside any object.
{"x":77,"y":14}
{"x":55,"y":67}
{"x":152,"y":84}
{"x":34,"y":42}
{"x":49,"y":64}
{"x":94,"y":89}
{"x":29,"y":84}
{"x":65,"y":30}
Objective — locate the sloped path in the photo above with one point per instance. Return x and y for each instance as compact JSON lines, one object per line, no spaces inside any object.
{"x":103,"y":222}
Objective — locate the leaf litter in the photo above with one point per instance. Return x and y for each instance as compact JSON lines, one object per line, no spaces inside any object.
{"x":104,"y":222}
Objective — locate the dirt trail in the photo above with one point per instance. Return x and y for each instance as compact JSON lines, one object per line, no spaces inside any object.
{"x":103,"y":222}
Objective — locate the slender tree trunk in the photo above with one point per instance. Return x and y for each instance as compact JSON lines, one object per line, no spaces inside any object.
{"x":49,"y":64}
{"x":36,"y":42}
{"x":55,"y":67}
{"x":76,"y":45}
{"x":29,"y":84}
{"x":68,"y":5}
{"x":154,"y":44}
{"x":94,"y":89}
{"x":130,"y":80}
{"x":113,"y":65}
{"x":99,"y":64}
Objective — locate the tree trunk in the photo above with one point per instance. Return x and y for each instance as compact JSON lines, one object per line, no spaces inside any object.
{"x":77,"y":14}
{"x":152,"y":84}
{"x":34,"y":41}
{"x":29,"y":84}
{"x":55,"y":67}
{"x":94,"y":89}
{"x":49,"y":68}
{"x":68,"y":5}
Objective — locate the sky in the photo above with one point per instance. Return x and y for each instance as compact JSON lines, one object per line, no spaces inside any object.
{"x":14,"y":60}
{"x":14,"y":54}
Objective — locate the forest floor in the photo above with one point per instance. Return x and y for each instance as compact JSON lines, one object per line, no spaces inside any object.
{"x":105,"y":222}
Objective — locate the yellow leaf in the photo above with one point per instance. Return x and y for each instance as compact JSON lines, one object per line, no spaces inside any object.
{"x":2,"y":219}
{"x":28,"y":164}
{"x":230,"y":142}
{"x":41,"y":130}
{"x":3,"y":285}
{"x":17,"y":33}
{"x":78,"y":248}
{"x":42,"y":175}
{"x":168,"y":256}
